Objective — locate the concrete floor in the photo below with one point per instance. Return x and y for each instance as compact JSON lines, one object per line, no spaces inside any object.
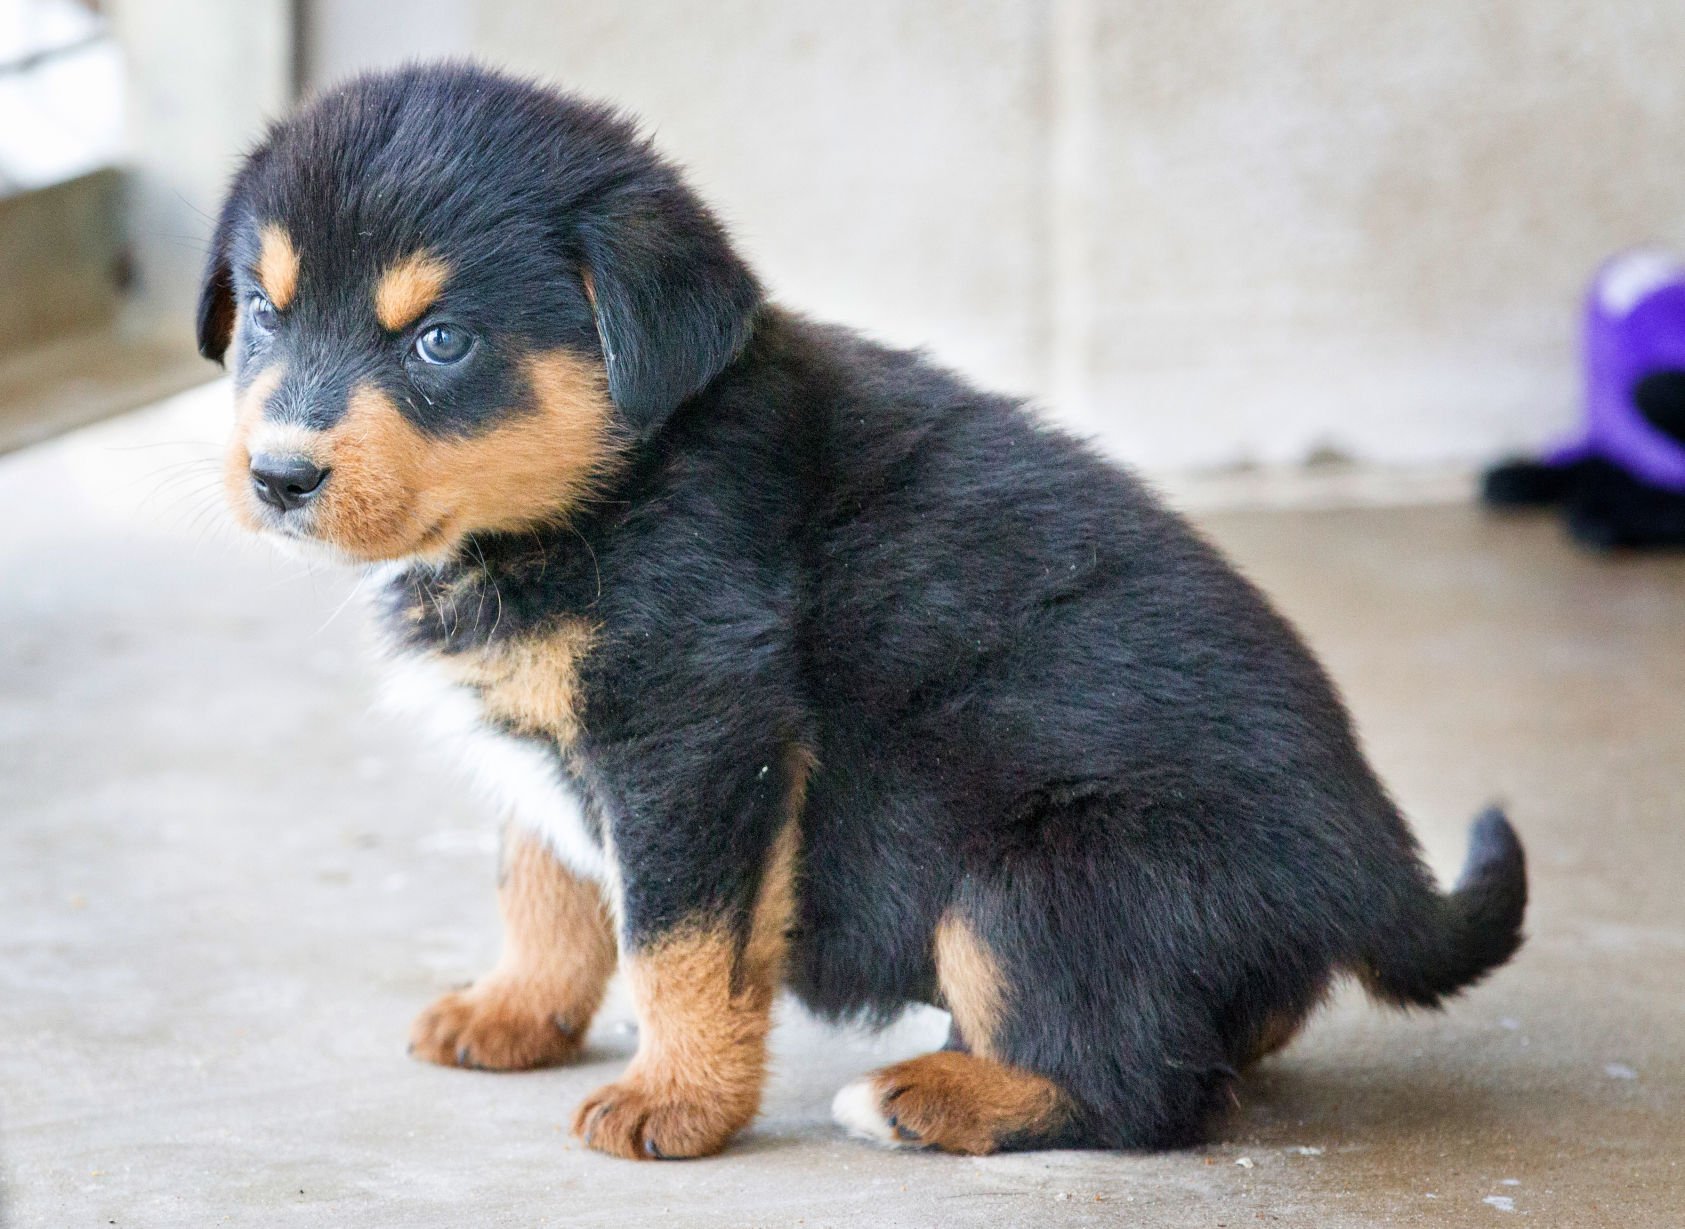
{"x":226,"y":888}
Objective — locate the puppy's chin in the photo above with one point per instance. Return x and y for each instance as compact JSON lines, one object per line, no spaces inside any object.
{"x":309,"y":550}
{"x":297,"y":539}
{"x":432,"y":549}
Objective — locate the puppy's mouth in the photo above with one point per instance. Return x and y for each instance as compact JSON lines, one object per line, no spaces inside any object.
{"x":435,"y":542}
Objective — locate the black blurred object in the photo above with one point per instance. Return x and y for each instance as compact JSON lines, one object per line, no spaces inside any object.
{"x":1605,"y":507}
{"x":1621,"y":478}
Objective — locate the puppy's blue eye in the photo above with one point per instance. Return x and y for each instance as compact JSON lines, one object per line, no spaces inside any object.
{"x":444,"y":344}
{"x":262,"y":313}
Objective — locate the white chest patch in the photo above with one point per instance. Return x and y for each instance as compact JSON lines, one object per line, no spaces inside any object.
{"x":519,"y":776}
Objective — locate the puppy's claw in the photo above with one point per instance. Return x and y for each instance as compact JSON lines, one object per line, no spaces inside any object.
{"x":904,"y":1133}
{"x":628,"y":1120}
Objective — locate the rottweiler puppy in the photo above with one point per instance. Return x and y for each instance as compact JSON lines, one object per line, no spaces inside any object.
{"x":796,"y":660}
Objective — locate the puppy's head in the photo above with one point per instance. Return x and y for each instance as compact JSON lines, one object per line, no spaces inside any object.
{"x":450,"y":300}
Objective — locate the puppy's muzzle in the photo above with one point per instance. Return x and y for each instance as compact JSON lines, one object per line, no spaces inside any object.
{"x":286,"y":482}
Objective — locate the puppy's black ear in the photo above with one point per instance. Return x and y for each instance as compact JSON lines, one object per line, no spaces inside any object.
{"x":216,"y":291}
{"x":673,"y":302}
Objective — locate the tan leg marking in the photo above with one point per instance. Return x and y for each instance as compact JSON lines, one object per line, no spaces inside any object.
{"x":958,"y":1102}
{"x":277,"y":265}
{"x":533,"y":1009}
{"x":704,"y":1010}
{"x":407,"y":289}
{"x":955,"y":1102}
{"x":971,"y":983}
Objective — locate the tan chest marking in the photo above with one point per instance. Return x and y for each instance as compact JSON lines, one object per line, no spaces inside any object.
{"x":530,"y":684}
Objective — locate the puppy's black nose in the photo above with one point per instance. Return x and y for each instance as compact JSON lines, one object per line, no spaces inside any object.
{"x":286,"y":482}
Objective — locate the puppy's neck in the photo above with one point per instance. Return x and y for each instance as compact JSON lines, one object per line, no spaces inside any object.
{"x":494,"y":587}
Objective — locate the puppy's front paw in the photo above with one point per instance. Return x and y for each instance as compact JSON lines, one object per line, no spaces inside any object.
{"x":496,"y":1024}
{"x":629,"y":1120}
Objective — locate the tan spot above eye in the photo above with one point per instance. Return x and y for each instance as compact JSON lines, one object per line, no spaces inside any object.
{"x":277,"y":265}
{"x":407,"y":289}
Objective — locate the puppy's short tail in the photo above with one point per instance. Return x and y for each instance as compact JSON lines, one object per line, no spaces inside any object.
{"x":1454,"y":940}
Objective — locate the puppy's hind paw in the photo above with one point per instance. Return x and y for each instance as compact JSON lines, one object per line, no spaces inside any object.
{"x":954,"y":1103}
{"x":858,"y":1108}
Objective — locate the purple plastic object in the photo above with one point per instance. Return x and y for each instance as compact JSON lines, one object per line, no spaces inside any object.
{"x":1634,"y":325}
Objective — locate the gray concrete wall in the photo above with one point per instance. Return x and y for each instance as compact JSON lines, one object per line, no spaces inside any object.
{"x":59,"y":259}
{"x":202,"y":78}
{"x":1205,"y":232}
{"x":341,"y":37}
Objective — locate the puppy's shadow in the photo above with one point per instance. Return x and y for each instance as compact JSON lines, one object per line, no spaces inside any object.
{"x":604,"y":1051}
{"x":1283,"y":1099}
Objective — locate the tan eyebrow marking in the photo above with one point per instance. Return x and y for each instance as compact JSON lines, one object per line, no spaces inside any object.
{"x":277,"y":265}
{"x":407,"y":289}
